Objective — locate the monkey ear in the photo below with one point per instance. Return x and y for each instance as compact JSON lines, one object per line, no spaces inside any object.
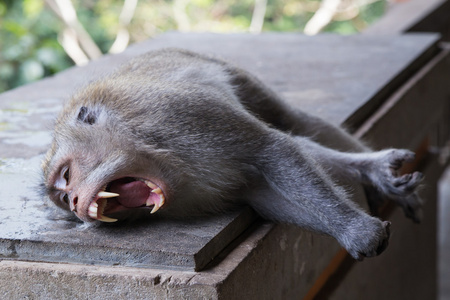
{"x":87,"y":116}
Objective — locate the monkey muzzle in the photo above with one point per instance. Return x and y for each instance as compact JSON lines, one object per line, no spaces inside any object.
{"x":123,"y":194}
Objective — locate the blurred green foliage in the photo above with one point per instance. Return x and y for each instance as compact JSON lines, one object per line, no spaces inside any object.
{"x":29,"y":47}
{"x":28,"y":43}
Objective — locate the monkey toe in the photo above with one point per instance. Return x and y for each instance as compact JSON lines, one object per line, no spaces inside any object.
{"x":407,"y":183}
{"x":403,"y":191}
{"x":385,"y":176}
{"x":397,"y":157}
{"x":402,"y":181}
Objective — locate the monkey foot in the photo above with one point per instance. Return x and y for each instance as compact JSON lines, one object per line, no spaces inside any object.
{"x":368,"y":240}
{"x":402,"y":188}
{"x":123,"y":194}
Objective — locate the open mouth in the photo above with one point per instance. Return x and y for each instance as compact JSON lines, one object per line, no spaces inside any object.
{"x":123,"y":194}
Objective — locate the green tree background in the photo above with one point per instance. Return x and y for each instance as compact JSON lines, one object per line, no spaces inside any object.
{"x":30,"y":31}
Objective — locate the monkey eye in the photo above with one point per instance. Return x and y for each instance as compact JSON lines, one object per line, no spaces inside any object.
{"x":66,"y":174}
{"x":63,"y":178}
{"x":65,"y":198}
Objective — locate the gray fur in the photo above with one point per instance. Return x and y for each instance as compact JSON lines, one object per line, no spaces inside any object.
{"x":214,"y":137}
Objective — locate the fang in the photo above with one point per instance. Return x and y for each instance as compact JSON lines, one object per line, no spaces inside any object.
{"x":104,"y":194}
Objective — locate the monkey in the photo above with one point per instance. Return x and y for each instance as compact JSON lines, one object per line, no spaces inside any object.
{"x":183,"y":134}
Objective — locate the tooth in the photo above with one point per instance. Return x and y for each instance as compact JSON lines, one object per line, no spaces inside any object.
{"x":107,"y":219}
{"x":158,"y":205}
{"x":162,"y":200}
{"x":157,"y":191}
{"x":92,"y":211}
{"x":103,"y":194}
{"x":151,"y":184}
{"x":155,"y":208}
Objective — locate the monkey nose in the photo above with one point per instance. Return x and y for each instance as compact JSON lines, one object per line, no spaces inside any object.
{"x":73,"y":203}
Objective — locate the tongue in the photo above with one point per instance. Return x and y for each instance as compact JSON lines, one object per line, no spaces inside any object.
{"x":132,"y":194}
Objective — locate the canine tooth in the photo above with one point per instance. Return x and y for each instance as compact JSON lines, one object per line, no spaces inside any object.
{"x":162,"y":200}
{"x":158,"y":205}
{"x":106,"y":219}
{"x":107,"y":195}
{"x":155,"y":208}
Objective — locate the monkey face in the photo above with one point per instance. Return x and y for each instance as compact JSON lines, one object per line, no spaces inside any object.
{"x":89,"y":171}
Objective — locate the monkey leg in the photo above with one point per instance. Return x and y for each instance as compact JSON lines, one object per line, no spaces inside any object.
{"x":294,"y":189}
{"x":380,"y":181}
{"x":378,"y":171}
{"x":264,"y":103}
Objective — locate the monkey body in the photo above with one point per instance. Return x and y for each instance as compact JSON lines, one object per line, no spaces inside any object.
{"x":184,"y":134}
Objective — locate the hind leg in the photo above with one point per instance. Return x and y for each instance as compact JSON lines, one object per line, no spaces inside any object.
{"x":262,"y":102}
{"x":331,"y":145}
{"x":292,"y":187}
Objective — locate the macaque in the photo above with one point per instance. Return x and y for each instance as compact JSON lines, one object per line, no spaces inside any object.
{"x":182,"y":134}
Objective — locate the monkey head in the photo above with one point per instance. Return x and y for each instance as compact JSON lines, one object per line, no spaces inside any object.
{"x":96,"y":168}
